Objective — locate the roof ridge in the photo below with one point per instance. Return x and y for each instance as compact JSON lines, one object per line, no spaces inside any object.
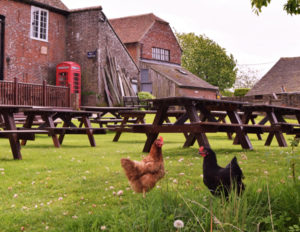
{"x":140,"y":15}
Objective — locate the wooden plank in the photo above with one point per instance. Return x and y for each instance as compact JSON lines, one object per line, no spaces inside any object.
{"x":106,"y":90}
{"x":75,"y":130}
{"x":114,"y":94}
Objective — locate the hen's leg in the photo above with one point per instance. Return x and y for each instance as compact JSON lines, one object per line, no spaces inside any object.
{"x":144,"y":193}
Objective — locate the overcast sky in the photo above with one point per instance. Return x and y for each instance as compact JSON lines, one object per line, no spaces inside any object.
{"x":251,"y":39}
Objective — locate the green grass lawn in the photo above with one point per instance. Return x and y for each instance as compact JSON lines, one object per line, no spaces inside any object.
{"x":74,"y":188}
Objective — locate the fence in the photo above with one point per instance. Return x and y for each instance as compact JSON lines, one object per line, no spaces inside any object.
{"x":18,"y":93}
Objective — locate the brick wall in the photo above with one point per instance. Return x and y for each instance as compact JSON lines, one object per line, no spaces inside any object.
{"x":161,"y":36}
{"x":134,"y":51}
{"x":89,"y":30}
{"x":23,"y":55}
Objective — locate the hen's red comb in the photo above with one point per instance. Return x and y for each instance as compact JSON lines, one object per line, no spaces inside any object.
{"x":201,"y":148}
{"x":161,"y":138}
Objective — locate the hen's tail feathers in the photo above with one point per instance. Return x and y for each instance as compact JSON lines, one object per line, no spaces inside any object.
{"x":130,"y":169}
{"x":236,"y":168}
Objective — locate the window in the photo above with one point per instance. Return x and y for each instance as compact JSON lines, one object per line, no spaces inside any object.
{"x":146,"y":84}
{"x":39,"y":23}
{"x":161,"y":54}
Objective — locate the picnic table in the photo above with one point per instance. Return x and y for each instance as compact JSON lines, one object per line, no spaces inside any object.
{"x":49,"y":115}
{"x":10,"y":130}
{"x":102,"y":113}
{"x":138,"y":117}
{"x":275,"y":115}
{"x":196,"y":110}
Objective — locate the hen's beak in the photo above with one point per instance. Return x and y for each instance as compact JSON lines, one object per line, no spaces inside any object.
{"x":202,"y":151}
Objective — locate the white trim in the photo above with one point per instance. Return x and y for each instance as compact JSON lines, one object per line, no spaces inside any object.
{"x":39,"y":10}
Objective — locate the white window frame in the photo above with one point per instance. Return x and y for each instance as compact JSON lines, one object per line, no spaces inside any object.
{"x":35,"y":30}
{"x":161,"y":54}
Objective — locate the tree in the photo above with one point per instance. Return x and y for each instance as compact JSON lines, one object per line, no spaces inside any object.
{"x":207,"y":60}
{"x":246,"y":78}
{"x":291,"y":6}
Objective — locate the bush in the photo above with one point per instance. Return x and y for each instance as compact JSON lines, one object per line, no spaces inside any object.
{"x":240,"y":92}
{"x":145,"y":95}
{"x":227,"y":93}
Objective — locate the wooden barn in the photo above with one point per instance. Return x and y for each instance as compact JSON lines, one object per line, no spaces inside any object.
{"x":154,"y":47}
{"x":283,"y":77}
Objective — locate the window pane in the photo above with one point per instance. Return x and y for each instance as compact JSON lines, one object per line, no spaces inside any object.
{"x":35,"y":25}
{"x":160,"y":54}
{"x":39,"y":27}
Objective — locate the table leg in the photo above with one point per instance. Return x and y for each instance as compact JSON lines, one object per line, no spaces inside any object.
{"x":245,"y":120}
{"x":181,"y":120}
{"x":278,"y":134}
{"x":28,"y":124}
{"x":258,"y":134}
{"x":50,"y":123}
{"x":158,"y":120}
{"x":242,"y":136}
{"x":62,"y":136}
{"x":118,"y":133}
{"x":87,"y":123}
{"x":200,"y":137}
{"x":13,"y":138}
{"x":223,"y":120}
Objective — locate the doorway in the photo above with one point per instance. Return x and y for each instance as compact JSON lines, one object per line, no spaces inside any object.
{"x":2,"y":30}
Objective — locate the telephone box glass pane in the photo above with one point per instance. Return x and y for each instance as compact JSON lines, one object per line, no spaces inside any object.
{"x":76,"y":83}
{"x":62,"y":78}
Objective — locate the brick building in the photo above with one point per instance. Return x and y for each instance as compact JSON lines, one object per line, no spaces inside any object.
{"x":36,"y":35}
{"x":154,"y":47}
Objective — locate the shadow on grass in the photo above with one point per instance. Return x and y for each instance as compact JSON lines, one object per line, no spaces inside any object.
{"x":52,"y":146}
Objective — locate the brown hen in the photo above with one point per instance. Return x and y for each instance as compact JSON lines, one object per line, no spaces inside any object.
{"x":143,"y":175}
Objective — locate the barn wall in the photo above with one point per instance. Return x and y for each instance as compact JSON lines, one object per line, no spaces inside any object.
{"x":161,"y":86}
{"x":28,"y":59}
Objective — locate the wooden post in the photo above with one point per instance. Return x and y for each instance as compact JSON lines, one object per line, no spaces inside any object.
{"x":69,"y":96}
{"x":16,"y":91}
{"x":44,"y":92}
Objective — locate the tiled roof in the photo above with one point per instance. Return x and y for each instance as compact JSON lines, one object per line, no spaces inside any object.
{"x":284,"y":76}
{"x":181,"y":76}
{"x":57,"y":4}
{"x":132,"y":29}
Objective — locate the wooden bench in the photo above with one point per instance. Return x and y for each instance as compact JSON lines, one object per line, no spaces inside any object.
{"x":134,"y":101}
{"x":289,"y":128}
{"x":200,"y":127}
{"x":75,"y":130}
{"x":22,"y":133}
{"x":108,"y":121}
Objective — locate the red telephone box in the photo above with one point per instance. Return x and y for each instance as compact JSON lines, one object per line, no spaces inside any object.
{"x":69,"y":73}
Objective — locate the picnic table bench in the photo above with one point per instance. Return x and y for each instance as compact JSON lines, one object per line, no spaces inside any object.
{"x":10,"y":130}
{"x":135,"y":117}
{"x":275,"y":115}
{"x":65,"y":115}
{"x":102,"y":113}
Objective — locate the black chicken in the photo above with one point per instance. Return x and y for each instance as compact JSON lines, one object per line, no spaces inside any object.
{"x":221,"y":180}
